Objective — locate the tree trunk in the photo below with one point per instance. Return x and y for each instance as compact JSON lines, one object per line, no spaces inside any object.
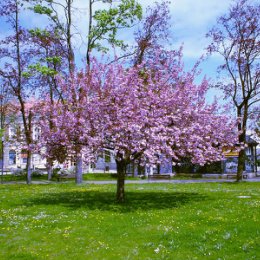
{"x":121,"y":167}
{"x":71,"y":58}
{"x":241,"y":165}
{"x":79,"y":169}
{"x":29,"y":168}
{"x":242,"y":139}
{"x":241,"y":158}
{"x":49,"y":170}
{"x":89,"y":32}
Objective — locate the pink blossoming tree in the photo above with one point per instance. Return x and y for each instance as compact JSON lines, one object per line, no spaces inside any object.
{"x":147,"y":112}
{"x":69,"y":128}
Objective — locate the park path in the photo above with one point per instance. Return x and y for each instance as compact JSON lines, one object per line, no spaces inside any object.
{"x":256,"y":179}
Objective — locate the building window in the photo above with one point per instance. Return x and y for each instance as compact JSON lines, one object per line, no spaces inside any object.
{"x":107,"y":156}
{"x":24,"y":156}
{"x":36,"y":159}
{"x":36,"y":133}
{"x":231,"y":165}
{"x":11,"y":133}
{"x":100,"y":155}
{"x":12,"y":157}
{"x":248,"y":151}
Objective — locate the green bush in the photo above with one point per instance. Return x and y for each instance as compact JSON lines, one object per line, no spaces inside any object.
{"x":55,"y":171}
{"x":20,"y":172}
{"x":37,"y":173}
{"x":113,"y":175}
{"x":214,"y":167}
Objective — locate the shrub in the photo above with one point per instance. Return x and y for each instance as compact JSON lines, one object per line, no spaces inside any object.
{"x":37,"y":173}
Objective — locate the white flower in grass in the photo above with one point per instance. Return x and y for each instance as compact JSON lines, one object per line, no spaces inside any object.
{"x":157,"y":250}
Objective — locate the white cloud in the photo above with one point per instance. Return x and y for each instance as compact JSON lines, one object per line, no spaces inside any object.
{"x":197,"y":14}
{"x":190,"y":22}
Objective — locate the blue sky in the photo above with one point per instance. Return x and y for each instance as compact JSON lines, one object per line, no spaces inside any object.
{"x":190,"y":22}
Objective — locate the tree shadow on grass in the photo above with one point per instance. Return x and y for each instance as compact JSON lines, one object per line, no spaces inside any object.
{"x":105,"y":201}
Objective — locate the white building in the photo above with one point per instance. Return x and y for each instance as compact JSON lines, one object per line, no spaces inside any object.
{"x":15,"y":156}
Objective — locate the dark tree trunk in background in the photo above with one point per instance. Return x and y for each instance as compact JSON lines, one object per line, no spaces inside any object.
{"x":49,"y":169}
{"x":236,"y":38}
{"x":242,"y":126}
{"x":121,"y":168}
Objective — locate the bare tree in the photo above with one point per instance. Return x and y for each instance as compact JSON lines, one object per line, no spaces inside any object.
{"x":236,"y":37}
{"x":16,"y":53}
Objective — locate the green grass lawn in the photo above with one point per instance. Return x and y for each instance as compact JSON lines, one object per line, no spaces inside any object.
{"x":104,"y":177}
{"x":86,"y":177}
{"x":158,"y":221}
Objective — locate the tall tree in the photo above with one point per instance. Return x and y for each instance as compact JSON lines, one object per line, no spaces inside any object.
{"x":51,"y":60}
{"x":236,"y":37}
{"x":60,"y":14}
{"x":103,"y":23}
{"x":16,"y":53}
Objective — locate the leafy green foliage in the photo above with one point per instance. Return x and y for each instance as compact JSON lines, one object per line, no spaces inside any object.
{"x":44,"y":70}
{"x":27,"y":74}
{"x":107,"y":23}
{"x":39,"y":9}
{"x":37,"y":32}
{"x":54,"y":60}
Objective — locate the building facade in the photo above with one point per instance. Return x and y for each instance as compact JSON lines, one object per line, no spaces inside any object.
{"x":15,"y":156}
{"x":229,"y":165}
